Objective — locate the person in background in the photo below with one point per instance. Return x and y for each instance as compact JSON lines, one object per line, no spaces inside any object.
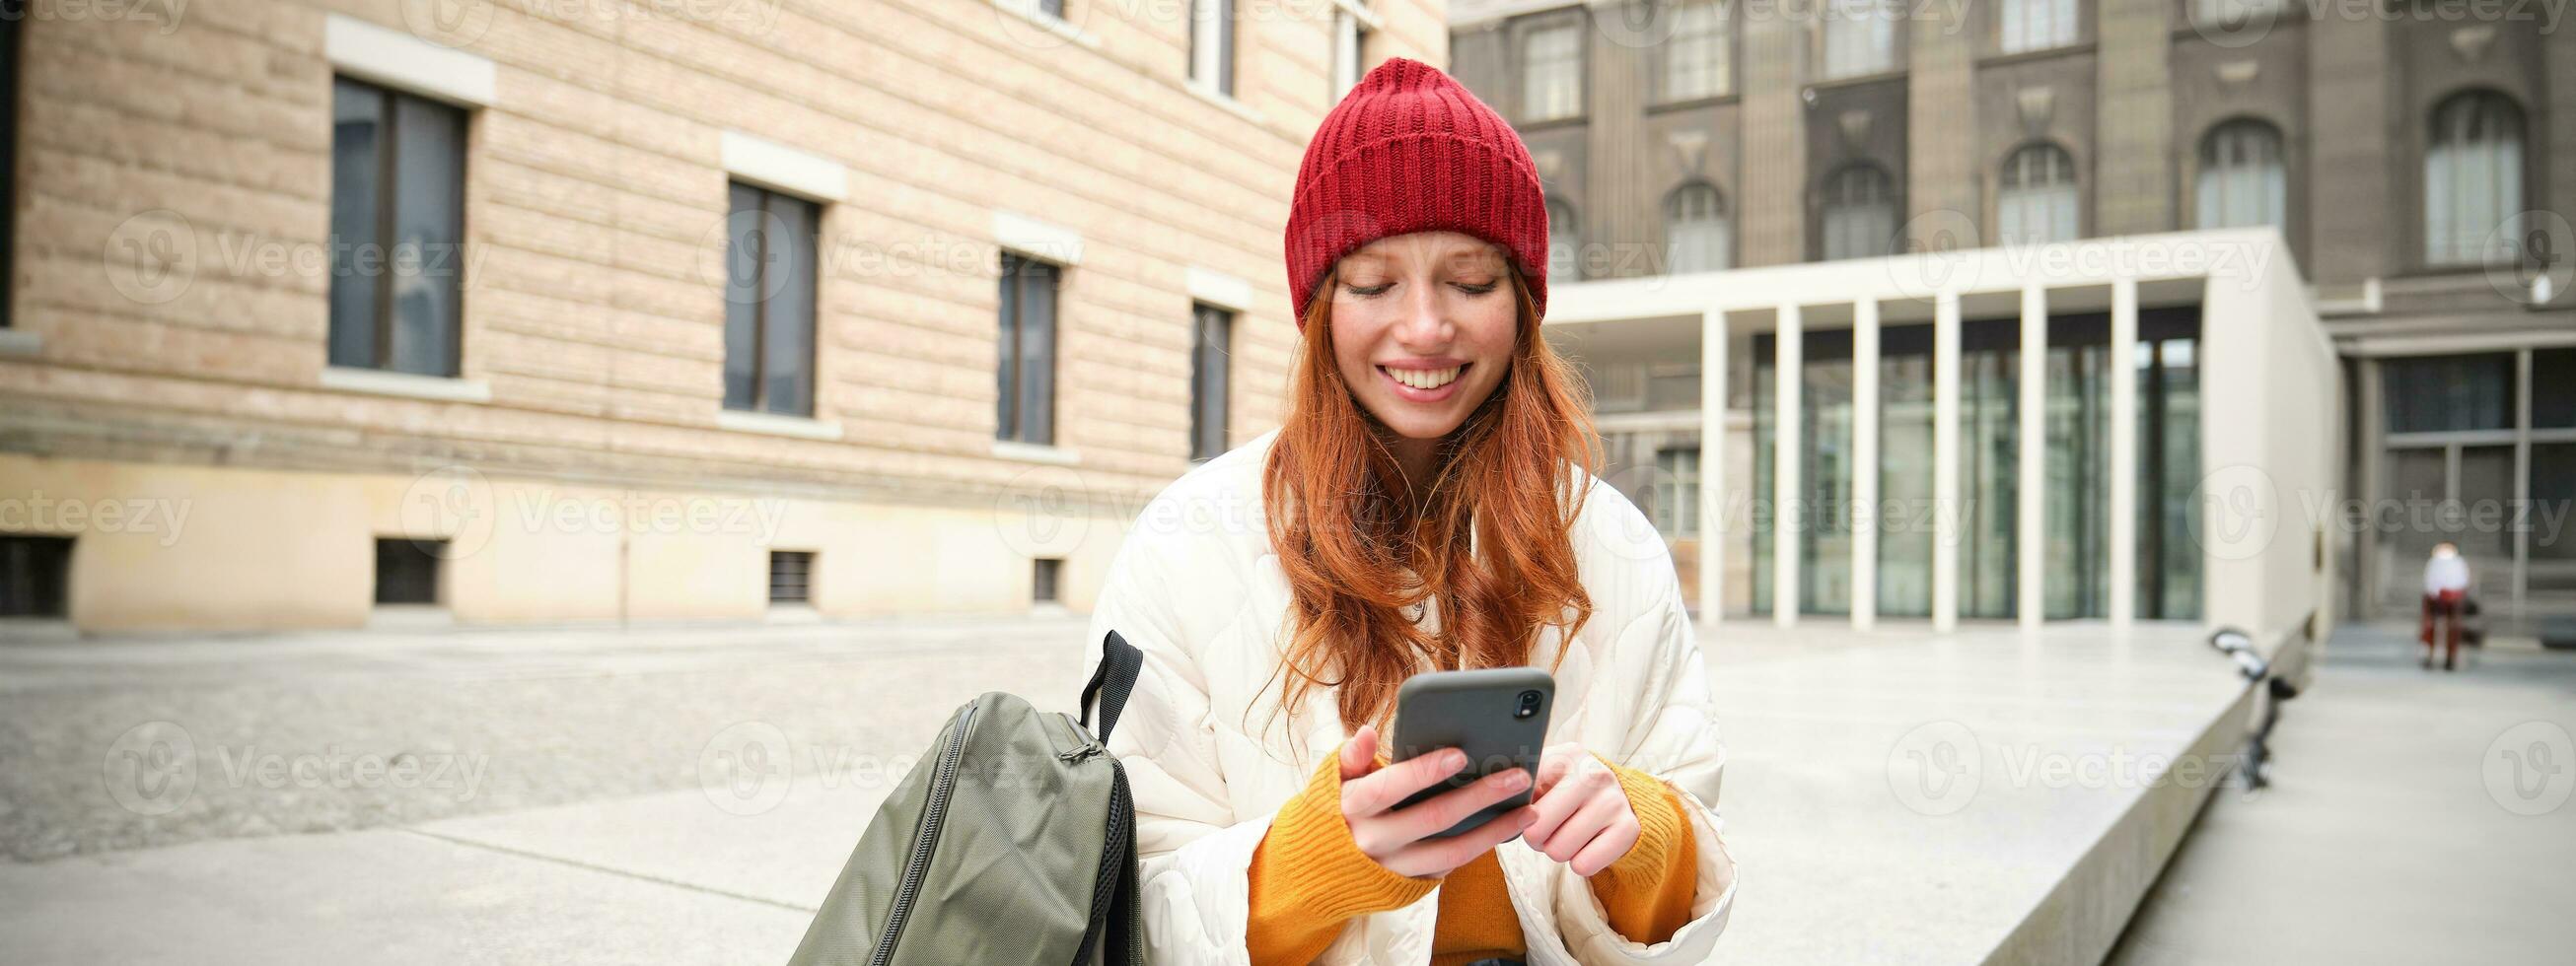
{"x":2446,"y":594}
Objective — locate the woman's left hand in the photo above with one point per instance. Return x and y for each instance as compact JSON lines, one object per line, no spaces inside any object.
{"x":1583,"y":814}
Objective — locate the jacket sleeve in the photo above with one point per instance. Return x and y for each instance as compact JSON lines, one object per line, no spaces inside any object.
{"x":1193,"y":849}
{"x":1673,"y":737}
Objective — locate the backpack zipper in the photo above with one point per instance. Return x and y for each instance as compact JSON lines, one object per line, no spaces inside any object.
{"x":942,"y":782}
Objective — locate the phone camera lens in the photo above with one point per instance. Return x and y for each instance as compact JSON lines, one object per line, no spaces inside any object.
{"x":1529,"y":705}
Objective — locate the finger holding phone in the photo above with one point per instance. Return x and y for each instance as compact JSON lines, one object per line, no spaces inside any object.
{"x":1584,"y":818}
{"x":1410,"y":839}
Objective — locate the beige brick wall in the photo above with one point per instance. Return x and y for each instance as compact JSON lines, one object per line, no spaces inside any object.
{"x":594,"y":198}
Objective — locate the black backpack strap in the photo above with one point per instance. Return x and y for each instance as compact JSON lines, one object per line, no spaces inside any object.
{"x":1120,"y":662}
{"x":1126,"y":939}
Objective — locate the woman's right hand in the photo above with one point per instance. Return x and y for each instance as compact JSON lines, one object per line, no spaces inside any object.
{"x":1399,"y":839}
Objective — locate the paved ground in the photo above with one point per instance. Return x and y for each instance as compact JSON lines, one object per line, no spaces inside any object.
{"x":2414,"y":817}
{"x":687,"y":795}
{"x":130,"y":744}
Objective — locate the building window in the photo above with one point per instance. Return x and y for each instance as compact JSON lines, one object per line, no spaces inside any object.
{"x":1046,"y":579}
{"x":2242,"y":182}
{"x":791,"y":576}
{"x":407,"y":570}
{"x":12,"y":13}
{"x":2449,"y":394}
{"x":1350,"y":46}
{"x":1027,"y":375}
{"x":397,"y":230}
{"x":1052,"y":8}
{"x":35,"y":576}
{"x":1699,"y":60}
{"x":2472,"y":179}
{"x":1860,"y":36}
{"x":769,"y":302}
{"x":1677,"y":491}
{"x":1564,"y":243}
{"x":1859,"y":213}
{"x":1696,"y":231}
{"x":1212,"y":45}
{"x":2036,"y":25}
{"x":1552,"y":73}
{"x":1211,"y":351}
{"x":2036,"y":202}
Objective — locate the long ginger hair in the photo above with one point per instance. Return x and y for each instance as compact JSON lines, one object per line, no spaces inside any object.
{"x":1488,"y":536}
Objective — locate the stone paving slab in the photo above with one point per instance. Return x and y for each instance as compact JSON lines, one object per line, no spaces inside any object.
{"x":381,"y":897}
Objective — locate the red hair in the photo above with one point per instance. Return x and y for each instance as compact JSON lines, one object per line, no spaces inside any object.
{"x":1359,"y":543}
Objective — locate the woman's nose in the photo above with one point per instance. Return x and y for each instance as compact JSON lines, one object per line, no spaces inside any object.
{"x":1424,"y":320}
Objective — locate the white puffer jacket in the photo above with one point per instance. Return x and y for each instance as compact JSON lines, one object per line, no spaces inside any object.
{"x":1197,"y":589}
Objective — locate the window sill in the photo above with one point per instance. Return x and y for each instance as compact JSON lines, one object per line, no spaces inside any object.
{"x":1551,"y":123}
{"x":1035,"y":453}
{"x":20,"y":342}
{"x":383,"y":383}
{"x":1028,"y":10}
{"x":1222,"y":99}
{"x":775,"y":424}
{"x":2001,"y":57}
{"x":1712,"y":100}
{"x":1857,"y":80}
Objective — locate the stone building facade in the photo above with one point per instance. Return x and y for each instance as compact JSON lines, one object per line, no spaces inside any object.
{"x":323,"y":313}
{"x":2418,"y":158}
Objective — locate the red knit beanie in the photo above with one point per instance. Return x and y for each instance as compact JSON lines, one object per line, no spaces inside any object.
{"x":1411,"y":150}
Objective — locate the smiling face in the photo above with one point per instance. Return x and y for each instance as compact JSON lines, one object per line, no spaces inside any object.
{"x":1423,"y":328}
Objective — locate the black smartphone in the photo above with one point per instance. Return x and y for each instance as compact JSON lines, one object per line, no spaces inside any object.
{"x":1498,"y":716}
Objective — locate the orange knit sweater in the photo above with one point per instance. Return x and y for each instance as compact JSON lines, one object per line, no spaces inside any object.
{"x":1308,"y":878}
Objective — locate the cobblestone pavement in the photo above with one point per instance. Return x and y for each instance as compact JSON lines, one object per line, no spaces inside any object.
{"x":124,"y":744}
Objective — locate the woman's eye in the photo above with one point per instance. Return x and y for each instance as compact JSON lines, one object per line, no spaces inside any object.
{"x":1368,"y":290}
{"x":1476,"y":288}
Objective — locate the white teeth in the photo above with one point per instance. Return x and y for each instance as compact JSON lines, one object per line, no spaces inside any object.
{"x":1425,"y":378}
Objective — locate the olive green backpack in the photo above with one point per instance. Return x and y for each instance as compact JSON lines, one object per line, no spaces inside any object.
{"x":1012,"y":843}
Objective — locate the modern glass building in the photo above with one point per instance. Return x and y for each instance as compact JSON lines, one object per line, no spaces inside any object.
{"x":1995,"y":434}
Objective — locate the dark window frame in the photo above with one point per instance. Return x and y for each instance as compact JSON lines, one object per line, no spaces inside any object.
{"x":750,"y":302}
{"x":35,"y":575}
{"x":396,"y":584}
{"x":395,"y":110}
{"x":791,"y":576}
{"x":1046,"y":580}
{"x":1211,"y":379}
{"x":1026,"y":414}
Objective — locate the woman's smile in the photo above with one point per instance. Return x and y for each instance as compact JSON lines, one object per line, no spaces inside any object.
{"x":1414,"y":382}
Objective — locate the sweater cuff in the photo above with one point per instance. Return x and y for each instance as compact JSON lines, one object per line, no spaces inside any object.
{"x":1309,"y":853}
{"x":1662,"y":829}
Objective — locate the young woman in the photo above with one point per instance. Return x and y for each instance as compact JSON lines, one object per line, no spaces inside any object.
{"x":1428,"y":505}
